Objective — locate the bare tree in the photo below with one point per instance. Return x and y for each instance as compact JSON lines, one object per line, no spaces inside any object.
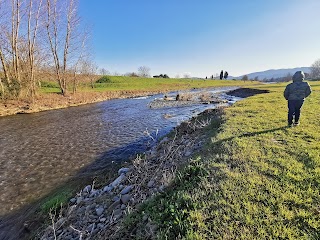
{"x":315,"y":69}
{"x":33,"y":26}
{"x":104,"y":72}
{"x":61,"y":25}
{"x":15,"y":26}
{"x":89,"y":69}
{"x":144,"y":71}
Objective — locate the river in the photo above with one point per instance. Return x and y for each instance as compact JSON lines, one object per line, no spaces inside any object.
{"x":40,"y":151}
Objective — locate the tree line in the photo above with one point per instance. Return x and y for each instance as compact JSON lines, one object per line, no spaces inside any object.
{"x":41,"y":39}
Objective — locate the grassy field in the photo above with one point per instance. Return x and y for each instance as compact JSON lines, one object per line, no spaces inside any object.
{"x":117,"y":83}
{"x":255,"y":179}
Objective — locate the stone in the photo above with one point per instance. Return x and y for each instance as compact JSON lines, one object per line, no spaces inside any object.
{"x":87,"y":189}
{"x":102,"y":219}
{"x":161,"y":188}
{"x":116,"y":217}
{"x":100,"y":226}
{"x":117,"y":212}
{"x":187,"y":153}
{"x":94,"y":193}
{"x":88,"y":208}
{"x":99,"y":211}
{"x":123,"y":170}
{"x":118,"y":180}
{"x":79,"y":200}
{"x":150,"y":183}
{"x":125,"y":198}
{"x":123,"y":207}
{"x":120,"y":187}
{"x":107,"y":189}
{"x":126,"y":190}
{"x":73,"y":200}
{"x":115,"y":198}
{"x":91,"y":227}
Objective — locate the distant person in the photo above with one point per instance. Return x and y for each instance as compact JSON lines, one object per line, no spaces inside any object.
{"x":226,"y":75}
{"x":221,"y":75}
{"x":295,"y":93}
{"x":206,"y":77}
{"x":211,"y":76}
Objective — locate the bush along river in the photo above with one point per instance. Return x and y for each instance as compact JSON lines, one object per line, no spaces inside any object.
{"x":41,"y":151}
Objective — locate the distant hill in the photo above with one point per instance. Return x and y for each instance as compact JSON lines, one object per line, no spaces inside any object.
{"x":274,"y":73}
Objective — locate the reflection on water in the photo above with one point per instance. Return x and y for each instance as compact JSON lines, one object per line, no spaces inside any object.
{"x":42,"y":150}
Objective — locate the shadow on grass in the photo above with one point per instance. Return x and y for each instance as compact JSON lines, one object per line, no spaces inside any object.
{"x":251,"y":134}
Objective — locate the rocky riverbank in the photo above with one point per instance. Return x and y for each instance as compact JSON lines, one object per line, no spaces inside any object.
{"x":98,"y":212}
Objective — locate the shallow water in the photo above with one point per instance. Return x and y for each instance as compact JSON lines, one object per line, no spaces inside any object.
{"x":40,"y":151}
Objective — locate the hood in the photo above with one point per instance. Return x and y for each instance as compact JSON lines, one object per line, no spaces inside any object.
{"x":298,"y":76}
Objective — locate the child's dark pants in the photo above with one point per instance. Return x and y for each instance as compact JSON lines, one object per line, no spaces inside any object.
{"x":294,"y":107}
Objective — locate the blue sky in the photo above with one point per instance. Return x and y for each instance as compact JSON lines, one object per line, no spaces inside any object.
{"x":202,"y":37}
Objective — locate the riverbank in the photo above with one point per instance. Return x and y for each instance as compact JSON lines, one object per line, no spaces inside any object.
{"x":99,"y":211}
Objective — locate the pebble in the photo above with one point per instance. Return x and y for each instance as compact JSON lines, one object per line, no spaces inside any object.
{"x":116,"y":217}
{"x":91,"y":227}
{"x":100,"y":226}
{"x":73,"y":200}
{"x":117,"y":212}
{"x":115,"y":198}
{"x":123,"y":170}
{"x":118,"y":180}
{"x":187,"y":153}
{"x":150,"y":183}
{"x":161,"y":188}
{"x":107,"y":189}
{"x":126,"y":190}
{"x":87,"y":189}
{"x":79,"y":200}
{"x":123,"y":207}
{"x":94,"y":193}
{"x":99,"y":211}
{"x":102,"y":219}
{"x":125,"y":198}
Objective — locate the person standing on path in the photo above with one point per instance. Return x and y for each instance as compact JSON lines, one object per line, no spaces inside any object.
{"x":295,"y":93}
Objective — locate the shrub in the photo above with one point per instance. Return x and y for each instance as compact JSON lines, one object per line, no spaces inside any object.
{"x":104,"y":79}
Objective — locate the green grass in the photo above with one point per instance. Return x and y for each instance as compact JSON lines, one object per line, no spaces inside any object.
{"x":256,"y":178}
{"x":55,"y":200}
{"x":149,"y":84}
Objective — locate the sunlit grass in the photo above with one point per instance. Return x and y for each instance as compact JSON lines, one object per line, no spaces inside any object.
{"x":149,"y":84}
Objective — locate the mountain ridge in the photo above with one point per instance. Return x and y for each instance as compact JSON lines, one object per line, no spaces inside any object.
{"x":273,"y":73}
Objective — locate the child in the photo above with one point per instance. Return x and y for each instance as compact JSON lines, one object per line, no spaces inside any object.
{"x":295,"y":93}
